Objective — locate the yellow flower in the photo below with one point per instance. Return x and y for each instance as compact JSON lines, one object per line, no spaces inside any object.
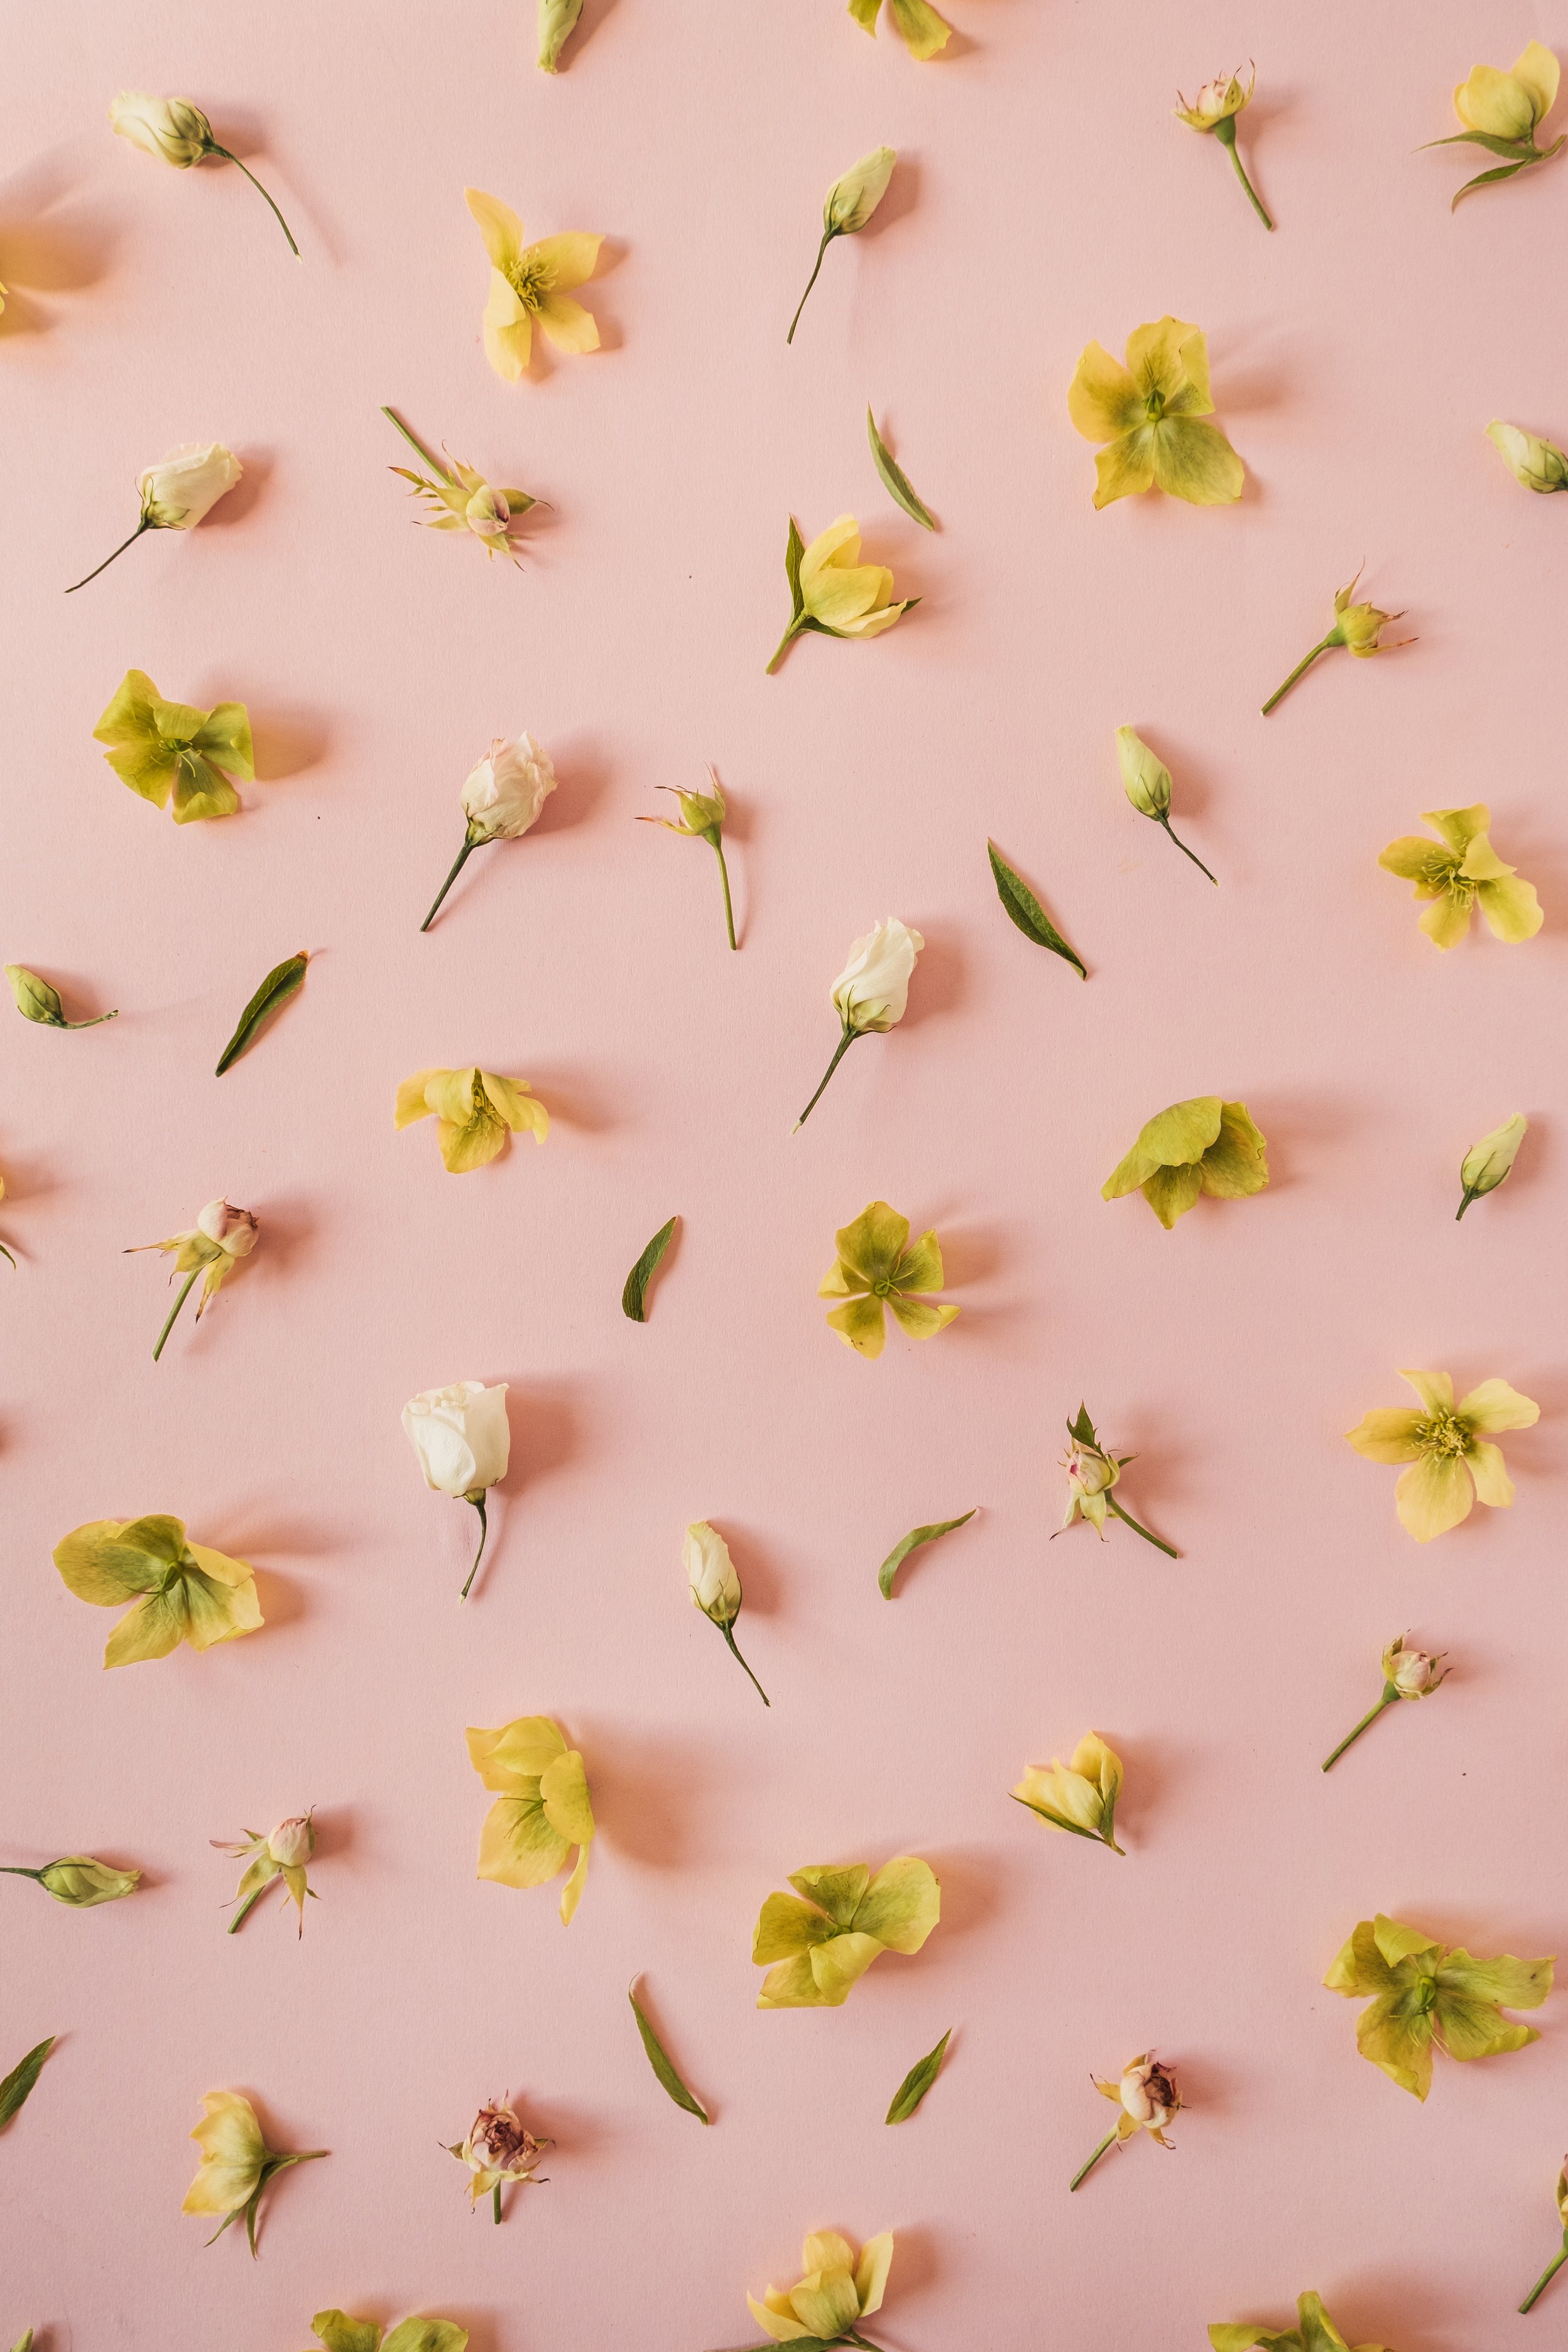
{"x":1214,"y":110}
{"x":1148,"y":2097}
{"x":78,"y":1880}
{"x":338,"y":2333}
{"x":183,"y":1591}
{"x":1203,"y":1145}
{"x":1151,"y":412}
{"x":1357,"y":627}
{"x":821,"y":1947}
{"x":460,"y":498}
{"x":529,"y":283}
{"x":1539,"y":464}
{"x":875,"y":1268}
{"x":159,"y":747}
{"x":846,"y":207}
{"x":1445,"y":1442}
{"x":1501,"y":111}
{"x":1425,"y":1992}
{"x":1316,"y":2333}
{"x":832,"y":591}
{"x":283,"y":1853}
{"x":1486,"y":1163}
{"x":236,"y":2163}
{"x":702,"y":819}
{"x":475,"y":1109}
{"x":836,"y":2292}
{"x":924,"y":32}
{"x":1079,"y":1797}
{"x":1460,"y":872}
{"x":541,"y":1809}
{"x":220,"y":1237}
{"x":499,"y":2148}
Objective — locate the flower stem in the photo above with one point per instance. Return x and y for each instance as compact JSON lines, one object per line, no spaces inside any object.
{"x":725,"y":877}
{"x":1225,"y":134}
{"x":15,"y":1870}
{"x":1085,"y":2170}
{"x":94,"y":1022}
{"x":839,"y":1053}
{"x":827,"y":237}
{"x":434,"y":463}
{"x":1547,"y":2275}
{"x":1389,"y":1696}
{"x":785,"y":642}
{"x":143,"y":525}
{"x":1472,"y":1192}
{"x":478,"y":1501}
{"x":1128,"y":1521}
{"x":469,"y":845}
{"x":213,"y":149}
{"x":495,"y":2204}
{"x":6,"y":1254}
{"x":174,"y":1311}
{"x":734,"y":1652}
{"x":1182,"y":846}
{"x":248,"y":1905}
{"x":1281,"y":691}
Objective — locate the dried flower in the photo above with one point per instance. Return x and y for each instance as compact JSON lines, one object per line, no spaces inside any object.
{"x":1215,"y":110}
{"x":1445,"y":1443}
{"x":463,"y":1440}
{"x":876,"y":1268}
{"x":1148,"y":2097}
{"x":832,"y":592}
{"x":530,"y":282}
{"x":475,"y":1109}
{"x":158,"y":747}
{"x":849,"y":204}
{"x":77,"y":1880}
{"x":1486,"y":1163}
{"x":1428,"y":1992}
{"x":541,"y":1809}
{"x":1461,"y":872}
{"x":220,"y":1237}
{"x":1316,"y":2333}
{"x":702,"y":819}
{"x":1203,"y":1145}
{"x":177,"y":132}
{"x":836,"y":2292}
{"x":1146,"y":781}
{"x":283,"y":1853}
{"x":1151,"y":412}
{"x":176,"y":493}
{"x":872,"y":991}
{"x":237,"y":2164}
{"x":461,"y":498}
{"x":922,"y":30}
{"x":1406,"y":1674}
{"x":821,"y":1947}
{"x":1501,"y":112}
{"x":1357,"y":627}
{"x":183,"y":1591}
{"x":716,"y":1588}
{"x":1555,"y":2264}
{"x":1093,"y":1473}
{"x":1539,"y":464}
{"x":502,"y":797}
{"x":1079,"y":1797}
{"x":499,"y":2148}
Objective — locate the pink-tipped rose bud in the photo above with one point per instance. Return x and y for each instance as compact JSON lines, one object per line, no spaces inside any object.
{"x":293,"y":1841}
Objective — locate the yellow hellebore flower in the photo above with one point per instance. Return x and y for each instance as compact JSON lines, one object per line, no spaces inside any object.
{"x":838,"y":2290}
{"x":1539,"y":464}
{"x":1092,"y":1472}
{"x":1555,"y":2264}
{"x":1445,"y":1442}
{"x":1203,"y":1145}
{"x":924,"y":32}
{"x":220,"y":1237}
{"x":823,"y":1945}
{"x":529,"y":283}
{"x":339,"y":2333}
{"x":283,"y":1853}
{"x":1501,"y":111}
{"x":183,"y":1591}
{"x":499,"y":2148}
{"x":460,"y":498}
{"x":236,"y":2163}
{"x":876,"y":1268}
{"x":1079,"y":1797}
{"x":1315,"y":2332}
{"x":1148,"y":2097}
{"x":1214,"y":110}
{"x":1460,"y":872}
{"x":475,"y":1109}
{"x":1357,"y":627}
{"x":78,"y":1880}
{"x":847,"y":206}
{"x":158,"y":747}
{"x":832,"y":592}
{"x":541,"y":1809}
{"x":1151,"y":412}
{"x":702,"y":819}
{"x":1406,"y":1674}
{"x":1427,"y":1992}
{"x":1486,"y":1163}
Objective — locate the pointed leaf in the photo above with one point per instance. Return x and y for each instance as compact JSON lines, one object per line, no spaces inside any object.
{"x":895,"y":481}
{"x":1082,"y":1430}
{"x":18,"y":2084}
{"x":278,"y":986}
{"x":913,"y":1542}
{"x":1485,"y":179}
{"x":658,"y":2060}
{"x":1027,"y":912}
{"x":794,"y":548}
{"x":917,"y":2082}
{"x":634,"y":1298}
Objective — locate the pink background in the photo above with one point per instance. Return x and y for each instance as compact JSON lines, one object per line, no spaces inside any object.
{"x":1043,"y":196}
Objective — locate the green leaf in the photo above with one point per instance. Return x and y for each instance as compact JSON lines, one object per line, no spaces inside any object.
{"x":913,"y":1542}
{"x":1524,"y":150}
{"x":278,"y":986}
{"x":1026,"y":910}
{"x":793,"y":549}
{"x":18,"y":2083}
{"x":1082,"y":1430}
{"x":36,"y":1000}
{"x":634,"y":1298}
{"x":917,"y":2082}
{"x":895,"y":481}
{"x":1485,"y":179}
{"x":660,"y":2062}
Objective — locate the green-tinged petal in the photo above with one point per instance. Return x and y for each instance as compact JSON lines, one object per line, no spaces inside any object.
{"x":1473,"y":2028}
{"x":792,"y":1985}
{"x":1193,"y":460}
{"x":557,"y":22}
{"x":918,"y":1318}
{"x":572,"y":1892}
{"x":1396,"y":1942}
{"x":1495,"y":1406}
{"x":1489,"y":1471}
{"x":902,"y":1903}
{"x":98,"y":1565}
{"x":920,"y":1268}
{"x":1099,"y":1763}
{"x":1319,"y":2333}
{"x":871,"y":2270}
{"x":1235,"y":1164}
{"x":1415,"y":859}
{"x":1154,"y":357}
{"x":518,"y":1847}
{"x":514,"y":1101}
{"x":1397,"y":2038}
{"x":1511,"y":910}
{"x":1171,"y":1191}
{"x":1125,"y":468}
{"x":564,"y":1792}
{"x":159,"y":1536}
{"x":426,"y":2335}
{"x":224,"y":738}
{"x":786,"y":1925}
{"x":841,"y":1281}
{"x":514,"y":1760}
{"x":875,"y":1243}
{"x":826,"y":2302}
{"x":1433,"y":1495}
{"x":1435,"y":1390}
{"x":861,"y":1323}
{"x":1360,"y":1967}
{"x":1194,"y":398}
{"x":217,"y":1613}
{"x":1182,"y":1134}
{"x":157,"y":1625}
{"x":840,"y":1893}
{"x":1103,"y":400}
{"x":1387,"y":1434}
{"x":1447,"y":920}
{"x":1225,"y":2336}
{"x":1459,"y":826}
{"x":838,"y":1965}
{"x":782,"y":2328}
{"x":499,"y":226}
{"x":339,"y":2333}
{"x":1513,"y":1984}
{"x":865,"y":12}
{"x":924,"y":30}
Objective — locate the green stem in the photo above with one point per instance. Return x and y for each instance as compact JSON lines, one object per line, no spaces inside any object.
{"x":839,"y":1053}
{"x":784,"y":643}
{"x":1389,"y":1696}
{"x":470,"y":843}
{"x":213,"y":149}
{"x":1182,"y":846}
{"x":248,"y":1905}
{"x":15,"y":1870}
{"x":1225,"y":134}
{"x":478,"y":1503}
{"x":94,"y":1022}
{"x":1281,"y":691}
{"x":174,"y":1311}
{"x":434,"y":463}
{"x":495,"y":2204}
{"x":143,"y":525}
{"x":1547,"y":2275}
{"x":6,"y":1254}
{"x":1094,"y":2159}
{"x":1128,"y":1521}
{"x":1472,"y":1192}
{"x":734,"y":1652}
{"x":827,"y":237}
{"x":725,"y":877}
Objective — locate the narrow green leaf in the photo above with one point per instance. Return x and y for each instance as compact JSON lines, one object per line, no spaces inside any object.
{"x":917,"y":2082}
{"x":1485,"y":179}
{"x":634,"y":1298}
{"x":18,"y":2083}
{"x":1082,"y":1430}
{"x":794,"y":548}
{"x":278,"y":986}
{"x":660,"y":2062}
{"x":895,"y":481}
{"x":36,"y":1000}
{"x":1027,"y":912}
{"x":913,"y":1542}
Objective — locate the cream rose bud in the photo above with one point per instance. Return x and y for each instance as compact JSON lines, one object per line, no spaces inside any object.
{"x":505,"y":793}
{"x":170,"y":128}
{"x":1149,"y":2092}
{"x":1145,"y":780}
{"x":1411,"y":1673}
{"x":234,"y":1230}
{"x":1539,"y":464}
{"x":462,"y":1435}
{"x":293,"y":1841}
{"x":186,"y":485}
{"x":715,"y":1587}
{"x":873,"y":989}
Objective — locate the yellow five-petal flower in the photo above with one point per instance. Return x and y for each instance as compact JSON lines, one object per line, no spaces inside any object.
{"x":1151,"y":412}
{"x":541,"y":1809}
{"x":1203,"y":1145}
{"x":530,"y":282}
{"x":159,"y":747}
{"x":822,"y":1947}
{"x":837,"y":2291}
{"x":1425,"y":1992}
{"x":1445,"y":1445}
{"x":476,"y":1108}
{"x":1462,"y":871}
{"x":876,"y":1268}
{"x":183,"y":1591}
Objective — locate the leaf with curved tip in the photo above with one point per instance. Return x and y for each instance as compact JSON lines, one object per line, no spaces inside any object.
{"x":18,"y":2084}
{"x":1024,"y":909}
{"x":917,"y":2082}
{"x":895,"y":481}
{"x":634,"y":1298}
{"x":913,"y":1542}
{"x":658,"y":2059}
{"x":278,"y":986}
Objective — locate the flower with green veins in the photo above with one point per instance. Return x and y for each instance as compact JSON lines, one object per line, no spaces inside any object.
{"x":1214,"y":110}
{"x":183,"y":1591}
{"x":281,"y":1854}
{"x":820,"y":1948}
{"x":1538,"y":464}
{"x":876,"y":1268}
{"x":1460,"y":872}
{"x":1425,"y":1992}
{"x":1148,"y":2097}
{"x":37,"y":1001}
{"x":220,"y":1237}
{"x":1203,"y":1145}
{"x":1358,"y":627}
{"x":702,"y":819}
{"x":1502,"y":111}
{"x":339,"y":2333}
{"x":159,"y":747}
{"x":530,"y":282}
{"x":1151,"y":412}
{"x":837,"y":2291}
{"x":237,"y":2164}
{"x":78,"y":1880}
{"x":832,"y":592}
{"x":541,"y":1809}
{"x":1406,"y":1674}
{"x":1555,"y":2264}
{"x":1445,"y":1445}
{"x":1486,"y":1163}
{"x":1314,"y":2332}
{"x":847,"y":206}
{"x":924,"y":31}
{"x":475,"y":1109}
{"x":460,"y":498}
{"x":1093,"y":1472}
{"x":1079,"y":1797}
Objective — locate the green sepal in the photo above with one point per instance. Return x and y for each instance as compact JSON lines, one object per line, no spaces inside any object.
{"x":280,"y":984}
{"x":917,"y":2082}
{"x":658,"y":2059}
{"x":1026,"y":910}
{"x":911,"y":1542}
{"x":794,"y":548}
{"x":16,"y":2088}
{"x":634,"y":1296}
{"x":895,"y":481}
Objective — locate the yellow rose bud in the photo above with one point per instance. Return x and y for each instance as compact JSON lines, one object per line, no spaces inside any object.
{"x":1539,"y":464}
{"x":1501,"y":112}
{"x":1486,"y":1163}
{"x":1214,"y":110}
{"x":846,"y":207}
{"x":77,"y":1880}
{"x":171,"y":128}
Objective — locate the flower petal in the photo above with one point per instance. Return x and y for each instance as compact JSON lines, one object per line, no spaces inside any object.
{"x":1537,"y":69}
{"x":564,"y":1792}
{"x":1126,"y":468}
{"x":780,"y":2326}
{"x":876,"y":1242}
{"x":412,"y":1103}
{"x":1511,"y":909}
{"x":1447,"y":920}
{"x":1473,"y":2028}
{"x":1487,"y":1468}
{"x":838,"y":1965}
{"x":1433,"y":1495}
{"x":508,"y":330}
{"x":924,"y":30}
{"x":1397,"y":2039}
{"x":1103,"y":400}
{"x":156,"y":1626}
{"x":826,"y":2303}
{"x":1510,"y":1983}
{"x":1459,"y":826}
{"x":902,"y":1903}
{"x":1193,"y":460}
{"x":793,"y":1986}
{"x":919,"y":1318}
{"x":1495,"y":1406}
{"x":872,"y":2271}
{"x":567,"y":324}
{"x":1171,"y":1191}
{"x":786,"y":1925}
{"x":1387,"y":1434}
{"x":1435,"y":1390}
{"x":840,"y":1893}
{"x":861,"y":1324}
{"x":499,"y":226}
{"x":1154,"y":357}
{"x":571,"y":259}
{"x":518,"y":1847}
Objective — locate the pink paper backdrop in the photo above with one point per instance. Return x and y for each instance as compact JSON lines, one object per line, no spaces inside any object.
{"x":1043,"y":196}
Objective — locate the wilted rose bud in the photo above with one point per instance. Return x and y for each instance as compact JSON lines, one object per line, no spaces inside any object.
{"x":234,"y":1230}
{"x":499,"y":2148}
{"x":1411,"y":1672}
{"x":293,"y":1841}
{"x":77,"y":1880}
{"x":1149,"y":2092}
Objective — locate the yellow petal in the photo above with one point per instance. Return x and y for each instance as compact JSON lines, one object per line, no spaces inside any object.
{"x":1433,"y":1495}
{"x":1193,"y":460}
{"x":781,"y":2326}
{"x":1459,"y":826}
{"x":517,"y":1845}
{"x":572,"y":1892}
{"x":1496,"y":103}
{"x":508,"y":330}
{"x":564,"y":1792}
{"x":838,"y":1965}
{"x":902,"y":1903}
{"x":411,"y":1096}
{"x":1511,"y":910}
{"x":499,"y":226}
{"x":519,"y":1754}
{"x":1171,"y":1191}
{"x":840,"y":543}
{"x":1102,"y":400}
{"x":233,"y":2153}
{"x":1387,"y":1434}
{"x":826,"y":2303}
{"x":1494,"y":1406}
{"x":473,"y":1145}
{"x":1126,"y":468}
{"x":825,"y":2250}
{"x":1487,"y":1468}
{"x":924,"y":30}
{"x":1154,"y":357}
{"x":567,"y":324}
{"x":1447,"y":920}
{"x":872,"y":2271}
{"x":918,"y":1318}
{"x":861,"y":1324}
{"x":786,"y":1925}
{"x":1537,"y":69}
{"x":871,"y":625}
{"x":920,"y":1268}
{"x":1415,"y":859}
{"x":1435,"y":1390}
{"x":571,"y":259}
{"x":156,"y":1626}
{"x":513,"y":1100}
{"x":793,"y":1986}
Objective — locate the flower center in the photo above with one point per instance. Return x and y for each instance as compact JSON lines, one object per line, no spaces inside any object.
{"x":1443,"y":1433}
{"x":883,"y":1289}
{"x":530,"y":281}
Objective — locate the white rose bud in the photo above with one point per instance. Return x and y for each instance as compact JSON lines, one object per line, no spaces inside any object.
{"x":186,"y":485}
{"x":234,"y":1230}
{"x":293,"y":1841}
{"x":1145,"y":779}
{"x":851,"y":199}
{"x":873,"y":989}
{"x":505,"y":794}
{"x":463,"y":1440}
{"x":1538,"y":463}
{"x":169,"y":128}
{"x":1411,"y":1672}
{"x":711,"y":1573}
